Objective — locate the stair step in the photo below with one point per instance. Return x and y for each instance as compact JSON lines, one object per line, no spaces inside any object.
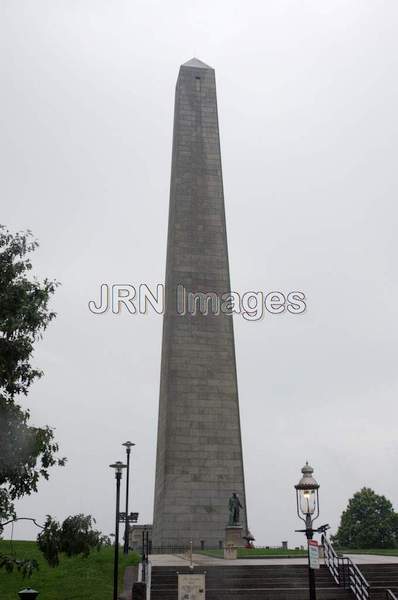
{"x":264,"y":594}
{"x":250,"y":582}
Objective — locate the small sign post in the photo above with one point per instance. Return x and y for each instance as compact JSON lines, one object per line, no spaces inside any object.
{"x":313,"y":554}
{"x":191,"y":587}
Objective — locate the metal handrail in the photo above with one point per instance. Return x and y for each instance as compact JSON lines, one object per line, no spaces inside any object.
{"x":357,"y":582}
{"x":331,"y":560}
{"x":390,"y":595}
{"x":345,"y":572}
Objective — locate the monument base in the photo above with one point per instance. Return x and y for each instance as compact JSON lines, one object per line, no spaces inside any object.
{"x":233,"y":541}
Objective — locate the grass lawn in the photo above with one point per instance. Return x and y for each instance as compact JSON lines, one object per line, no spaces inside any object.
{"x":74,"y":579}
{"x":258,"y":552}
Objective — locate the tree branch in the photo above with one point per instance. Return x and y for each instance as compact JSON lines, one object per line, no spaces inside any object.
{"x":2,"y":525}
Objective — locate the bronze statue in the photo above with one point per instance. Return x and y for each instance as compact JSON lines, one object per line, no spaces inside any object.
{"x":234,"y":510}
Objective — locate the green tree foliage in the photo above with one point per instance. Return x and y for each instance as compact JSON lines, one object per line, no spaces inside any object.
{"x":369,"y":521}
{"x":75,"y":536}
{"x":26,"y":452}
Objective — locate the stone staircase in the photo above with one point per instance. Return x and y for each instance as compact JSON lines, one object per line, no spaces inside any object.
{"x":380,"y":577}
{"x":250,"y":582}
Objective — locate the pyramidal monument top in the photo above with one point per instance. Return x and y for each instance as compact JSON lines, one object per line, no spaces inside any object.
{"x":196,"y":63}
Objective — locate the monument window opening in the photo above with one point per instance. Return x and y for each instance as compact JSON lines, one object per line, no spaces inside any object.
{"x":202,"y":544}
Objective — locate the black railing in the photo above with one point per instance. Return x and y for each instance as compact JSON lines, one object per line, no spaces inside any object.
{"x":198,"y":548}
{"x":346,"y":573}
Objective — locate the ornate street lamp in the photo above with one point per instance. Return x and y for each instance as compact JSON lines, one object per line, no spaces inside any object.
{"x":128,"y":446}
{"x":118,"y":467}
{"x":307,"y":499}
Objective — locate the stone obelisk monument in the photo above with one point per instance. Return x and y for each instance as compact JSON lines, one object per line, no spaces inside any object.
{"x":199,"y":451}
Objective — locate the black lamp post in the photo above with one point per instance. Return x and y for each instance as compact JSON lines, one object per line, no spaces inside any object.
{"x":307,"y":498}
{"x":118,"y":466}
{"x":128,"y":446}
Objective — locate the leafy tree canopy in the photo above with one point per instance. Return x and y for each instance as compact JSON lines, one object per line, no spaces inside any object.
{"x":75,"y":536}
{"x":26,"y":452}
{"x":369,"y":521}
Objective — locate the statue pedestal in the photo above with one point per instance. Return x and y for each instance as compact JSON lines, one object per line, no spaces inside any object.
{"x":233,"y":541}
{"x":230,"y":552}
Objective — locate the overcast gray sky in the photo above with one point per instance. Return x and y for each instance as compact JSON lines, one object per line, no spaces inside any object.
{"x":307,"y":97}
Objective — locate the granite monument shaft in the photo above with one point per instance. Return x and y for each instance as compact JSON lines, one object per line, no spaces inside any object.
{"x":199,"y":450}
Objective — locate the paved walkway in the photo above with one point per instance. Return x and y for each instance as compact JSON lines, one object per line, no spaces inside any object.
{"x":366,"y":559}
{"x":130,"y":576}
{"x":169,"y":560}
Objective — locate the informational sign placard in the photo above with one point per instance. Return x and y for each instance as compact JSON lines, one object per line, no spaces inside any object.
{"x":313,"y":554}
{"x":191,"y":587}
